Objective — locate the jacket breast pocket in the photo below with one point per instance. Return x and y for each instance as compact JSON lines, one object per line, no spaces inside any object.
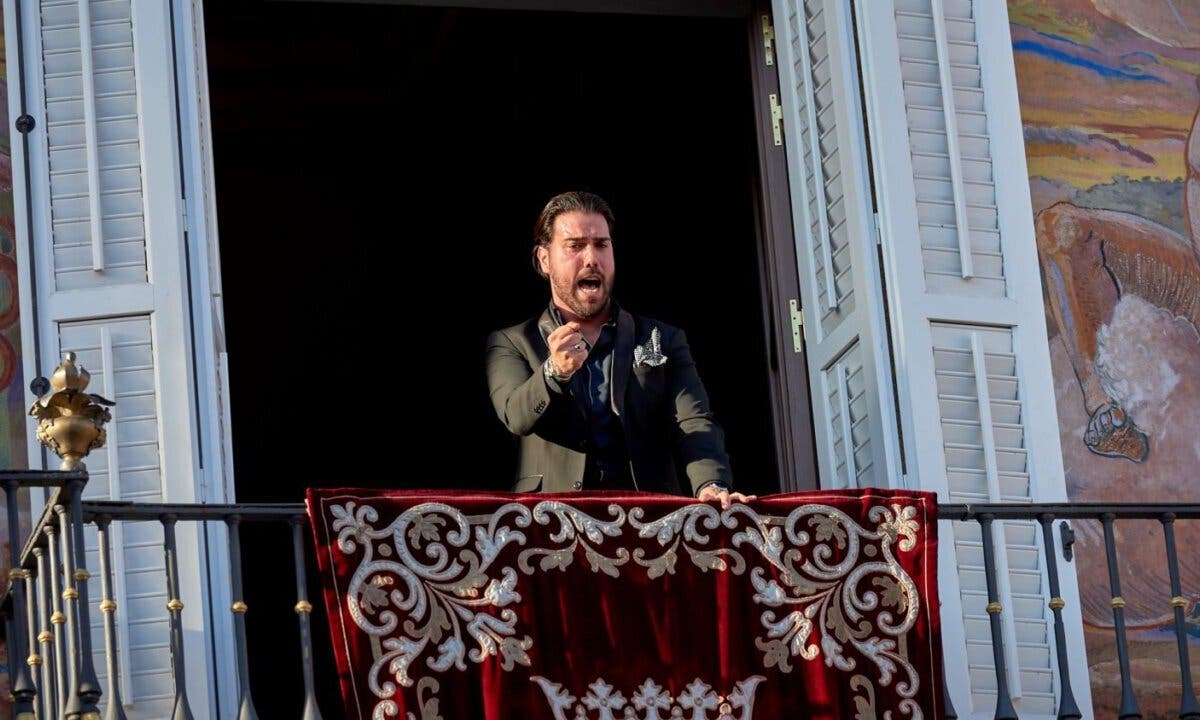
{"x":529,"y":484}
{"x":650,"y":380}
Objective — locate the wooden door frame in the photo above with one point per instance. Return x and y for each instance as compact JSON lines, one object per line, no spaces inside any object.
{"x":780,"y":281}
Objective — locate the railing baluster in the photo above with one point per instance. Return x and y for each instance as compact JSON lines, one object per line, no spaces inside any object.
{"x":1067,"y":707}
{"x":22,"y":686}
{"x":71,"y":627}
{"x":182,"y":710}
{"x":58,"y":619}
{"x":70,"y":695}
{"x":35,"y":658}
{"x":1188,"y":707}
{"x":88,"y":690}
{"x":108,"y":606}
{"x":1129,"y":706}
{"x":10,"y":626}
{"x":47,"y":697}
{"x":303,"y":610}
{"x":1004,"y":706}
{"x":245,"y":702}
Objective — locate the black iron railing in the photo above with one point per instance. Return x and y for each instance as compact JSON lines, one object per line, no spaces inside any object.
{"x":47,"y":620}
{"x":48,"y":626}
{"x":1106,"y":515}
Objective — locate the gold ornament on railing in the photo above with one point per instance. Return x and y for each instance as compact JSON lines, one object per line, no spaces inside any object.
{"x":70,"y":421}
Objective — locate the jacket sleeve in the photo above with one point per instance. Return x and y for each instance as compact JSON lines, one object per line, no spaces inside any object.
{"x":699,"y":439}
{"x":520,"y":392}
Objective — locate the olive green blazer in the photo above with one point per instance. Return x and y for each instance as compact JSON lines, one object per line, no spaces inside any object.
{"x":658,"y":399}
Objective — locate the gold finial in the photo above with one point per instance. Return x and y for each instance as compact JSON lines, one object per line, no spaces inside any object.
{"x":57,"y":618}
{"x":994,"y":608}
{"x":1057,"y":603}
{"x":1117,"y":603}
{"x":70,"y":594}
{"x":1179,"y":601}
{"x":239,"y":607}
{"x":108,"y":606}
{"x":70,"y":421}
{"x":174,"y":604}
{"x":303,"y":606}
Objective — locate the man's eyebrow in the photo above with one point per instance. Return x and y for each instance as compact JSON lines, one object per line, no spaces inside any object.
{"x":589,"y":238}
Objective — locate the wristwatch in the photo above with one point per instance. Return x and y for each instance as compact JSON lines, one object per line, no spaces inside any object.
{"x":551,"y":372}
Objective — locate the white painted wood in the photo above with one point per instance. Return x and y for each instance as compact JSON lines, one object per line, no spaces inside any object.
{"x":987,"y":432}
{"x":104,"y":166}
{"x":30,"y":356}
{"x":120,"y":355}
{"x":847,"y":426}
{"x":91,"y":125}
{"x":822,"y":239}
{"x":836,"y":254}
{"x":117,"y":529}
{"x":974,"y":379}
{"x":950,"y":118}
{"x":87,"y":80}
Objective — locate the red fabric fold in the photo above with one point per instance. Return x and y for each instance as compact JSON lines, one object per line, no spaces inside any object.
{"x":614,"y":606}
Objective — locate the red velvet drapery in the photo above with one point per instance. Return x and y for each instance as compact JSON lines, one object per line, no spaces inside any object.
{"x":614,"y":606}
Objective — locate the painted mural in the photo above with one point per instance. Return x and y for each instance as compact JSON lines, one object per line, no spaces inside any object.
{"x":1108,"y":92}
{"x":12,"y":385}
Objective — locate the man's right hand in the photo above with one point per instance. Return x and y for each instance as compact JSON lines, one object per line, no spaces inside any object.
{"x":568,"y":349}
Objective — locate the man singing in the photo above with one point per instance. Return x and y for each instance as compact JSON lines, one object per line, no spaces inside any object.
{"x":601,"y":399}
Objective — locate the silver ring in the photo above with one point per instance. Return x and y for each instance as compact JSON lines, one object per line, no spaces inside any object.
{"x":578,"y":346}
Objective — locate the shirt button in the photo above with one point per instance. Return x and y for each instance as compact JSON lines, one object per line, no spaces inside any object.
{"x":578,"y":485}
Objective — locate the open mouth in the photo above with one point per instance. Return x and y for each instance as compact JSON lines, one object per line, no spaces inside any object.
{"x":591,"y":284}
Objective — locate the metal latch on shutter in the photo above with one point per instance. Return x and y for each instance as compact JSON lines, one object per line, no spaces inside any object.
{"x":776,"y":118}
{"x":797,"y":325}
{"x":768,"y":32}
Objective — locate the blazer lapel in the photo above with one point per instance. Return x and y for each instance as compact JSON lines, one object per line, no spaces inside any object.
{"x":622,"y":362}
{"x":546,"y":325}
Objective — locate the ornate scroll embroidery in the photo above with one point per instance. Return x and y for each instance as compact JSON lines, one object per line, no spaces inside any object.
{"x":694,"y":703}
{"x":437,"y":568}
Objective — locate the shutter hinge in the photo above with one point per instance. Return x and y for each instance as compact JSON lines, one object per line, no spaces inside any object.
{"x":776,"y":118}
{"x":797,"y":325}
{"x":768,"y":32}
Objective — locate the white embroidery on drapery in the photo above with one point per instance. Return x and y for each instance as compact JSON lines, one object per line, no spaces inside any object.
{"x":436,"y":567}
{"x":697,"y":701}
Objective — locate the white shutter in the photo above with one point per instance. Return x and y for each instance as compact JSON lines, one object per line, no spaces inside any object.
{"x":967,"y":319}
{"x":111,"y":270}
{"x":835,"y":245}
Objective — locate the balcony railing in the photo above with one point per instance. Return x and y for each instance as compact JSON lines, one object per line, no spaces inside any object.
{"x":47,"y":603}
{"x":48,"y":614}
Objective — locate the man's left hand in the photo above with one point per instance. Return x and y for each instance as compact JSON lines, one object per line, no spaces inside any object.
{"x":716,"y":492}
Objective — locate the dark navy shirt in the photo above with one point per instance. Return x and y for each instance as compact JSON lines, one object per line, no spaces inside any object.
{"x":591,"y":388}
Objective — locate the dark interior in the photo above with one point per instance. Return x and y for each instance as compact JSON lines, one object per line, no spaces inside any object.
{"x":378,"y":172}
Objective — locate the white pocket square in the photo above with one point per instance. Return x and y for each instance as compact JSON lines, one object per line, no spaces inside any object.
{"x":649,"y":354}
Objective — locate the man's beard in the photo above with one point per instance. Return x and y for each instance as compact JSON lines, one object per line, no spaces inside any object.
{"x":565,"y":289}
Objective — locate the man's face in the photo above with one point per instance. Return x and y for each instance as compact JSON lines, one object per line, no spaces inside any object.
{"x":579,"y":262}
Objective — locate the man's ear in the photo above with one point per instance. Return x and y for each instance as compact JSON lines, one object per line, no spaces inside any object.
{"x":543,"y":256}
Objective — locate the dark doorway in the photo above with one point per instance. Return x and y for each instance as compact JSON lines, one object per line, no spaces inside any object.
{"x":378,"y":171}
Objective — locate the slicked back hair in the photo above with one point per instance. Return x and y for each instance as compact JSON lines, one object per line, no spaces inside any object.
{"x":574,"y":201}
